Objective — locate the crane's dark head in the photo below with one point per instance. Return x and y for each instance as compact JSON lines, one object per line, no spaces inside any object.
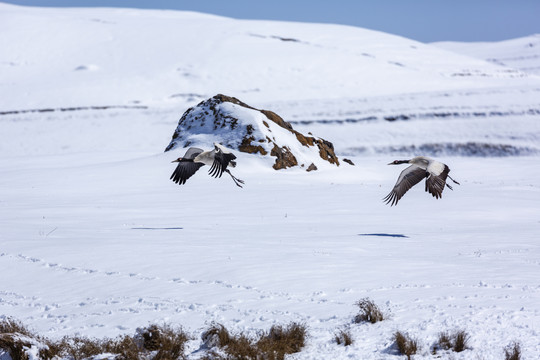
{"x":397,"y":162}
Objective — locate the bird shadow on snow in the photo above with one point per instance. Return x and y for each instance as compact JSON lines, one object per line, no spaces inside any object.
{"x":385,"y":235}
{"x":156,"y":228}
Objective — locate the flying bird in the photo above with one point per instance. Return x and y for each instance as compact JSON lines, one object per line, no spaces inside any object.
{"x":218,"y":159}
{"x":433,"y":171}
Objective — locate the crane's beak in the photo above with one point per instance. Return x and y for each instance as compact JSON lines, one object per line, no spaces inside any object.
{"x":397,"y":162}
{"x":177,"y":160}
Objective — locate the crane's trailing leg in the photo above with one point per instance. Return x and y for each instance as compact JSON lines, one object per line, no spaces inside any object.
{"x":455,"y":182}
{"x":236,"y":180}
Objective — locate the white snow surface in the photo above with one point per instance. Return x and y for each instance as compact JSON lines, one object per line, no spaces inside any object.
{"x":95,"y":239}
{"x":522,"y":53}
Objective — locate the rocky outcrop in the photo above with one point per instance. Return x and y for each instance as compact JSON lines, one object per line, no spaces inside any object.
{"x":241,"y":127}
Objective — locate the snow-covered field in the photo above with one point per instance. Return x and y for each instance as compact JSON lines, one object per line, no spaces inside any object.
{"x":522,"y":53}
{"x":96,"y":240}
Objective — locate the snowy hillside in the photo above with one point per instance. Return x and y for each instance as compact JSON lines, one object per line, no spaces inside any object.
{"x":95,"y":240}
{"x":149,"y":57}
{"x":522,"y":54}
{"x":163,"y":62}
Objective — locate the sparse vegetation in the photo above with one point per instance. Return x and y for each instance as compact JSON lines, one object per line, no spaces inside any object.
{"x":369,"y":312}
{"x":512,"y":351}
{"x":164,"y":342}
{"x":461,"y":341}
{"x":12,"y":326}
{"x":274,"y":345}
{"x":344,"y":337}
{"x":79,"y":348}
{"x":457,"y":341}
{"x":444,"y":342}
{"x":405,"y":344}
{"x":16,"y":338}
{"x":154,"y":342}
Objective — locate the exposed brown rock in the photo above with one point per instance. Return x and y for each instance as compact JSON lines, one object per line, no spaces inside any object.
{"x":284,"y":157}
{"x":311,"y":167}
{"x":276,"y":118}
{"x":326,"y":150}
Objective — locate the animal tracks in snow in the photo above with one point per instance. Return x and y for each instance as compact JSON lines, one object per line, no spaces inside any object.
{"x":207,"y":284}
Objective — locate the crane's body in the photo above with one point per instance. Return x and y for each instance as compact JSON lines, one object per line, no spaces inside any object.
{"x":422,"y":167}
{"x":218,"y":159}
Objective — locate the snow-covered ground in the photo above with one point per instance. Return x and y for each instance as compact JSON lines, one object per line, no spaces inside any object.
{"x":522,"y":53}
{"x":96,"y":240}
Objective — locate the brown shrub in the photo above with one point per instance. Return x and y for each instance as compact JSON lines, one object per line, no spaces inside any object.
{"x":154,"y":342}
{"x":444,"y":342}
{"x":461,"y":341}
{"x":274,"y":345}
{"x":168,"y":341}
{"x":125,"y":347}
{"x":216,"y":336}
{"x":512,"y":352}
{"x":17,"y":338}
{"x":281,"y":341}
{"x":343,"y":337}
{"x":369,"y":312}
{"x":405,"y":344}
{"x":457,"y":341}
{"x":12,"y":326}
{"x":79,"y":347}
{"x":14,"y":345}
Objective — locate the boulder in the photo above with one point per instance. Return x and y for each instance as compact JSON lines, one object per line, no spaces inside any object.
{"x":241,"y":127}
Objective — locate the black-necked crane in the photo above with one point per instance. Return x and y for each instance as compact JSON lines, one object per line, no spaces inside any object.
{"x":433,"y":171}
{"x":218,"y":159}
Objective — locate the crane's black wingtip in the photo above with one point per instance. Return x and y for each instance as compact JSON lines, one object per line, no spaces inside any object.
{"x":390,"y":199}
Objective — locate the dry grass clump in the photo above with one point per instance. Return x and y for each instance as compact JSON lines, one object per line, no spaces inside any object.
{"x":512,"y":351}
{"x":343,"y":337}
{"x":216,"y":336}
{"x":461,"y":341}
{"x":273,"y":345}
{"x":12,"y":326}
{"x":283,"y":340}
{"x":80,"y":347}
{"x":369,"y":312}
{"x":166,"y":340}
{"x":17,"y":339}
{"x":444,"y":342}
{"x":154,"y":342}
{"x":457,"y":341}
{"x":405,"y":344}
{"x":234,"y":347}
{"x":14,"y":346}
